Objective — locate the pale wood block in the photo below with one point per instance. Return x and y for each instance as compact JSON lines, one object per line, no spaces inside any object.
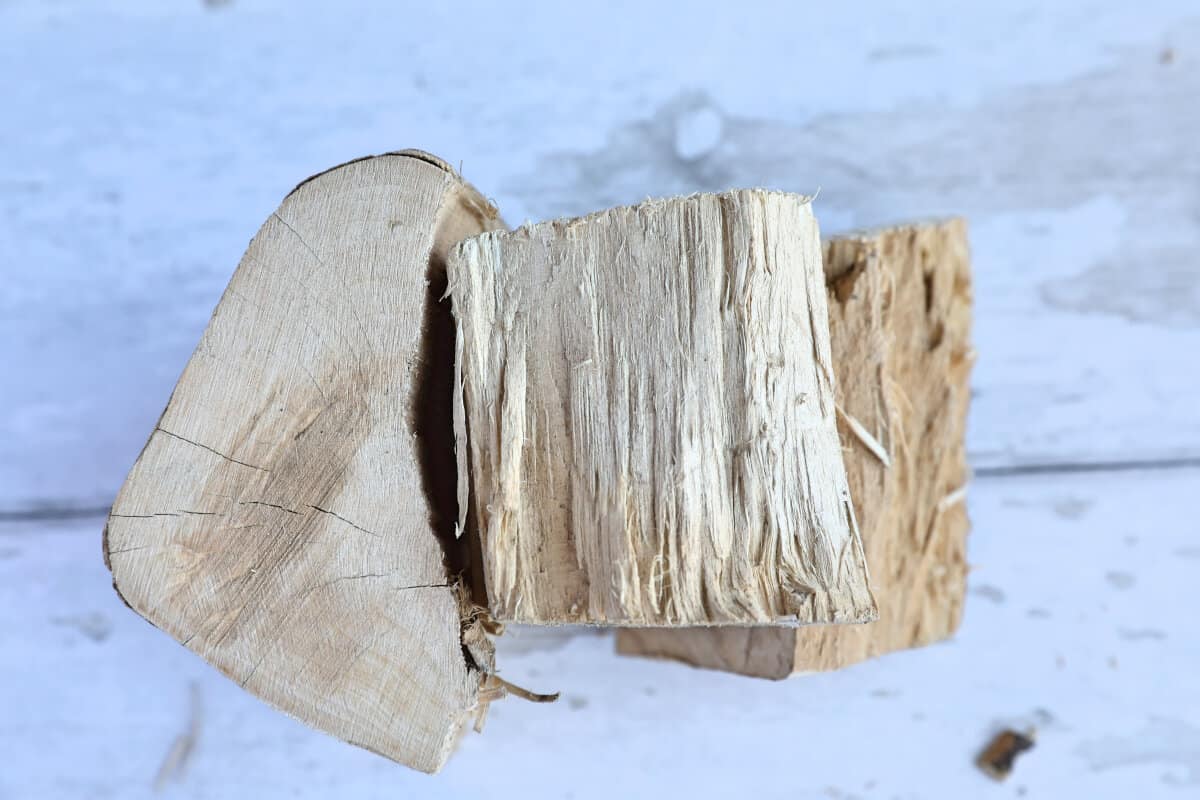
{"x":283,"y":520}
{"x":648,"y":418}
{"x":900,"y":316}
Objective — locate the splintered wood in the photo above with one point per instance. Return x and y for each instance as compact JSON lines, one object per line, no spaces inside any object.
{"x":648,"y":416}
{"x":283,"y":520}
{"x":900,"y":311}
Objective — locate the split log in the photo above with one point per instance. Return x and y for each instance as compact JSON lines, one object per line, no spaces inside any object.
{"x":648,"y":409}
{"x":291,"y":518}
{"x":900,"y":311}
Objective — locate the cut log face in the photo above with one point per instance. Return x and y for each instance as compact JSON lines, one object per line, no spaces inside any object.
{"x":900,"y":312}
{"x":648,"y":409}
{"x":291,"y":518}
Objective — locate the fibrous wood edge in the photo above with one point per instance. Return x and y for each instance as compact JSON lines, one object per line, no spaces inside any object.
{"x":648,"y":416}
{"x":900,"y":317}
{"x":291,"y":517}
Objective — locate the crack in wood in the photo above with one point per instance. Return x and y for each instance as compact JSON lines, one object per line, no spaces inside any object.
{"x":167,"y":514}
{"x":348,"y":522}
{"x":268,"y":505}
{"x":211,"y":450}
{"x":127,"y":550}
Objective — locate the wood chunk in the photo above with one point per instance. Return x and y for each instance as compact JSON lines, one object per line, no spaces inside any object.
{"x":648,"y":408}
{"x":900,"y":312}
{"x":291,"y":518}
{"x":999,"y":757}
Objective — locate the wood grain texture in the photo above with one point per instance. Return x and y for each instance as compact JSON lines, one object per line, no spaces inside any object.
{"x":650,"y":421}
{"x":900,"y":316}
{"x":287,"y":519}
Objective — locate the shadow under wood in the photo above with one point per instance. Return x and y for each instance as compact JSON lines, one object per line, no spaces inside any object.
{"x":433,"y":419}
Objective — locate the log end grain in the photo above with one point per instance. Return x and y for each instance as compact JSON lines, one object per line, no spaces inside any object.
{"x":291,"y":518}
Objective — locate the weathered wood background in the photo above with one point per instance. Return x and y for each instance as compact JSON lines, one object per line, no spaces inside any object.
{"x":143,"y":144}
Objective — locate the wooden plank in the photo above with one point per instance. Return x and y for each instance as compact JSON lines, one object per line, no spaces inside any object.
{"x":650,"y":421}
{"x":900,"y":313}
{"x":122,"y":239}
{"x":288,"y":519}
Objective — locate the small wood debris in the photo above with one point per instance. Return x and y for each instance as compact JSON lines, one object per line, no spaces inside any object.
{"x":998,"y":757}
{"x":494,"y":687}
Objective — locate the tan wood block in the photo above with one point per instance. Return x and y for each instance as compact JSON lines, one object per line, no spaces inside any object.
{"x":900,"y":316}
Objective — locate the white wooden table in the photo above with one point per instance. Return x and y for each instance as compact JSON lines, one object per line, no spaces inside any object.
{"x":142,"y":145}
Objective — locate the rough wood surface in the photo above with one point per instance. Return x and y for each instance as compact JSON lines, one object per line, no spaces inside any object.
{"x":900,"y":315}
{"x":288,"y":518}
{"x":649,"y":412}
